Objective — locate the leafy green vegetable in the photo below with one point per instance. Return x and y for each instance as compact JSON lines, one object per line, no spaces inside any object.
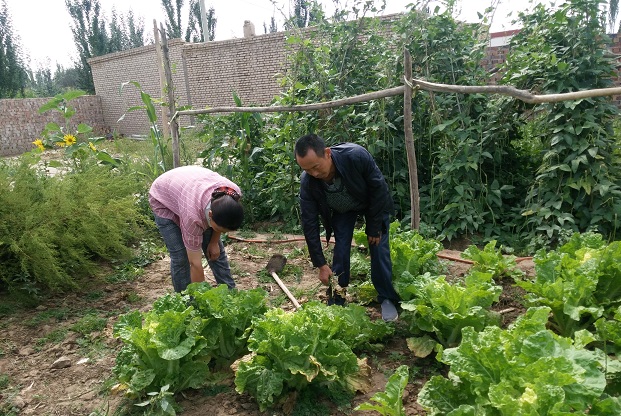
{"x":524,"y":370}
{"x":290,"y":350}
{"x":443,"y":308}
{"x":580,"y":282}
{"x":390,"y":402}
{"x":181,"y":345}
{"x":491,"y":260}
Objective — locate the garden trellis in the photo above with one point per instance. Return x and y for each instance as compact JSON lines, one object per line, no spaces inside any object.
{"x":411,"y":85}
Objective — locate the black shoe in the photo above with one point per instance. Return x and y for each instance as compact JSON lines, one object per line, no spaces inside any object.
{"x":335,"y":298}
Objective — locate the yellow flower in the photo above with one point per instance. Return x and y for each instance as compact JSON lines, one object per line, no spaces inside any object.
{"x":60,"y":144}
{"x":92,"y":146}
{"x":39,"y":144}
{"x":69,"y":139}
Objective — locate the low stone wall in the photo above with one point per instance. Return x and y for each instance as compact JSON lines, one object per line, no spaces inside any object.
{"x":21,"y":123}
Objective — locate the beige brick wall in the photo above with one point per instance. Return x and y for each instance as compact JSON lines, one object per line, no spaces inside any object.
{"x":111,"y":71}
{"x":21,"y":123}
{"x":204,"y":74}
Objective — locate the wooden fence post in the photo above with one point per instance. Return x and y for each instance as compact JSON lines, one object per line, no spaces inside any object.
{"x":174,"y":126}
{"x":160,"y":71}
{"x":409,"y":142}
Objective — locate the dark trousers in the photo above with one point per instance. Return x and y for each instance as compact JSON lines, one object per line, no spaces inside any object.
{"x":381,"y":264}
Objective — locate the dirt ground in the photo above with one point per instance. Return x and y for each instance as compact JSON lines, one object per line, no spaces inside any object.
{"x":46,"y":368}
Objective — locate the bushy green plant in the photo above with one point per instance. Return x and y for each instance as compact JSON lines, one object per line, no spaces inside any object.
{"x":290,"y":350}
{"x":580,"y":282}
{"x":577,"y":184}
{"x":523,"y":370}
{"x":443,"y":309}
{"x":491,"y":260}
{"x":184,"y":341}
{"x":390,"y":402}
{"x":54,"y":230}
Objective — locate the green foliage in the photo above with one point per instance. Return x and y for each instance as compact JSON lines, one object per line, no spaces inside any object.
{"x":580,"y":282}
{"x":78,"y":143}
{"x":290,"y":350}
{"x":13,"y":68}
{"x":184,"y":341}
{"x":161,"y":160}
{"x":52,"y":236}
{"x":523,"y":370}
{"x":491,"y":260}
{"x":444,"y":309}
{"x":577,"y":184}
{"x":94,"y":36}
{"x":412,"y":255}
{"x":390,"y":402}
{"x":91,"y":322}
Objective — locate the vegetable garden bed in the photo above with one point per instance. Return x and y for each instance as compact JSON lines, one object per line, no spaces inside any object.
{"x":79,"y":327}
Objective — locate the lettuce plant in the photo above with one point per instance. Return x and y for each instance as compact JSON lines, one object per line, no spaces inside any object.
{"x":491,"y":260}
{"x":291,"y":350}
{"x":410,"y":252}
{"x":181,"y":343}
{"x":580,"y":282}
{"x":524,"y":370}
{"x":390,"y":402}
{"x":443,"y":309}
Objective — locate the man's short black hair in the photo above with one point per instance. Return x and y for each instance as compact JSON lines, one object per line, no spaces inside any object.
{"x":310,"y":141}
{"x":227,"y":212}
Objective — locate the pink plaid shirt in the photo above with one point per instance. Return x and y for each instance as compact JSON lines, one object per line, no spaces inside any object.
{"x":181,"y":195}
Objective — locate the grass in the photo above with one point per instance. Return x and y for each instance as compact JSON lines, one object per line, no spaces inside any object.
{"x":48,"y":316}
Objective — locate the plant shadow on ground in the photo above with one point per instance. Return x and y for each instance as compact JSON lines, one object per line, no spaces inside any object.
{"x":77,"y":326}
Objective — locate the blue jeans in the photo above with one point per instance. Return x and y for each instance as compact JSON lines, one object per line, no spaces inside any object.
{"x":179,"y":263}
{"x":381,"y":264}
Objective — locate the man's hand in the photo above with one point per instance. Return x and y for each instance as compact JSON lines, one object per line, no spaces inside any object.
{"x":324,"y":274}
{"x":374,"y":241}
{"x":213,"y":250}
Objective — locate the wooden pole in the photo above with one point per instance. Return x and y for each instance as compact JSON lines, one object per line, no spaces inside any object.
{"x":174,"y":127}
{"x":160,"y":71}
{"x":409,"y":143}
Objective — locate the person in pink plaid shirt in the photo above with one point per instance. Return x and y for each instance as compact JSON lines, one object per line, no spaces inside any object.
{"x":193,"y":206}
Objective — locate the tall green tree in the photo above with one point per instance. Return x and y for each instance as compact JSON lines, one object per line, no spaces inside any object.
{"x":273,"y":28}
{"x":13,"y":70}
{"x":90,"y":36}
{"x":94,"y":36}
{"x":194,"y":29}
{"x":304,"y":13}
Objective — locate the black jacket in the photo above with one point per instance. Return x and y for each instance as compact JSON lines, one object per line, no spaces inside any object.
{"x":363,"y":180}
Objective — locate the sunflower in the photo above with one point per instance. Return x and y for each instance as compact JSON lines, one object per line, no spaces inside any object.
{"x":39,"y":144}
{"x":69,"y":139}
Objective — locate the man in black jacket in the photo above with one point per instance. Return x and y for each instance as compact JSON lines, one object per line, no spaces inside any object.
{"x":338,"y":184}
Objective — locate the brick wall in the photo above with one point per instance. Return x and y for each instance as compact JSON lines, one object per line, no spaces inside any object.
{"x":21,"y":123}
{"x":111,"y":71}
{"x":204,"y":74}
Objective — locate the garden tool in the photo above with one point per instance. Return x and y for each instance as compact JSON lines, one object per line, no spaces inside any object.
{"x":275,"y":265}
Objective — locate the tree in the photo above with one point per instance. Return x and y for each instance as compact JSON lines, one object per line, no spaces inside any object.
{"x":194,"y":30}
{"x":173,"y":17}
{"x":273,"y":27}
{"x":305,"y":13}
{"x":13,"y":73}
{"x":90,"y":36}
{"x":93,"y":36}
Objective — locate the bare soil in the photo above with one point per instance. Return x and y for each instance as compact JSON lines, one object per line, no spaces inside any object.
{"x":32,"y":340}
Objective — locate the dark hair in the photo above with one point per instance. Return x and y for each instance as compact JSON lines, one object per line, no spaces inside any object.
{"x":310,"y":141}
{"x":227,"y":212}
